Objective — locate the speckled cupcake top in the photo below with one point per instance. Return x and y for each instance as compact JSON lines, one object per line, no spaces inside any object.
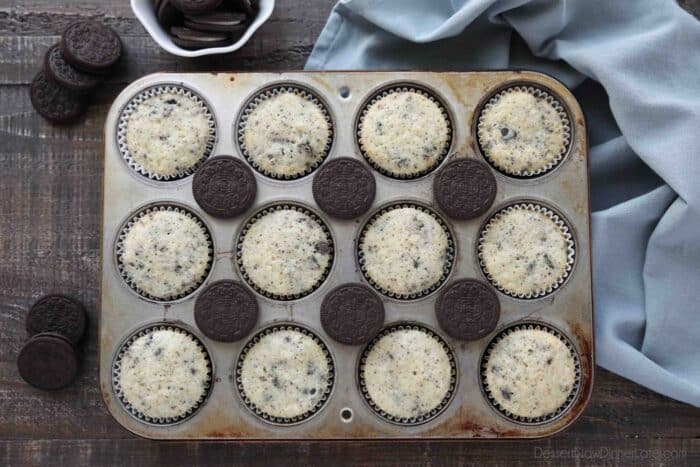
{"x":285,"y":252}
{"x":404,"y":132}
{"x":523,"y":131}
{"x":162,"y":375}
{"x":407,"y":374}
{"x":285,"y":375}
{"x":405,"y":251}
{"x":285,"y":133}
{"x":526,"y":251}
{"x":530,"y":373}
{"x":164,"y":253}
{"x":166,"y":132}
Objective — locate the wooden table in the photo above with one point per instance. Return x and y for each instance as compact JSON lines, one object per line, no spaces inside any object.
{"x":49,"y":241}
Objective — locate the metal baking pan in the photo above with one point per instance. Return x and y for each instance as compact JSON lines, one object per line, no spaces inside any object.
{"x":346,"y":415}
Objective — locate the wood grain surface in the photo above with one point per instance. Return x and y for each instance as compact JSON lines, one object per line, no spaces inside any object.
{"x":49,"y":241}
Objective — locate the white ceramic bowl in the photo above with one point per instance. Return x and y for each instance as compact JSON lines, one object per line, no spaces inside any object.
{"x":143,"y":9}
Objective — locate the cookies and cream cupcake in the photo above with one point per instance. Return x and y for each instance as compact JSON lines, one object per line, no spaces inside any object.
{"x":526,"y":250}
{"x":285,"y":252}
{"x":404,"y":132}
{"x":407,"y":374}
{"x":165,"y":132}
{"x":285,"y":132}
{"x":164,"y":252}
{"x":285,"y":374}
{"x":523,"y":131}
{"x":530,"y":372}
{"x":405,"y":251}
{"x":162,"y":374}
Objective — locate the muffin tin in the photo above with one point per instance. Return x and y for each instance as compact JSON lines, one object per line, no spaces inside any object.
{"x":468,"y":414}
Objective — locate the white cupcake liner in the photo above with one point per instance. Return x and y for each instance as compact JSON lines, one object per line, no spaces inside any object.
{"x":278,"y":207}
{"x":571,"y":249}
{"x":449,"y":261}
{"x":399,"y":89}
{"x":272,"y":418}
{"x":530,"y":325}
{"x":119,"y":247}
{"x":554,"y":102}
{"x":423,"y":418}
{"x":272,"y":92}
{"x":116,"y":372}
{"x":145,"y":95}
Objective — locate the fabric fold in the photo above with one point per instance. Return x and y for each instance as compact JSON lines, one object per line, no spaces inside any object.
{"x":634,"y":68}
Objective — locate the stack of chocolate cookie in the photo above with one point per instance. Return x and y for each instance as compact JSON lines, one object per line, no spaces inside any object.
{"x":49,"y":359}
{"x":197,"y":24}
{"x":88,"y":50}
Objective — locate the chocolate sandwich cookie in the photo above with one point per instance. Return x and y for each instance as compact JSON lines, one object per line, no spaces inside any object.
{"x":65,"y":74}
{"x":91,"y":46}
{"x":224,"y":186}
{"x":167,"y":14}
{"x":191,"y":38}
{"x":226,"y":311}
{"x":55,"y":102}
{"x":195,"y":6}
{"x":352,"y":314}
{"x":48,"y":361}
{"x":465,"y":188}
{"x":344,"y":188}
{"x":246,"y":6}
{"x":468,"y":309}
{"x":218,"y":21}
{"x":58,"y":314}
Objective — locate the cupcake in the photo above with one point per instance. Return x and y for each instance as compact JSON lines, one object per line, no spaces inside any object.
{"x":285,"y":132}
{"x":405,"y":251}
{"x":285,"y":374}
{"x":407,"y":374}
{"x":164,"y":252}
{"x":404,"y":132}
{"x":285,"y":252}
{"x":523,"y":131}
{"x":530,"y":373}
{"x":165,"y":132}
{"x":526,"y":251}
{"x":162,"y":374}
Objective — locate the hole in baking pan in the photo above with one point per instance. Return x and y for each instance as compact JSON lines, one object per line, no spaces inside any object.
{"x":346,"y":414}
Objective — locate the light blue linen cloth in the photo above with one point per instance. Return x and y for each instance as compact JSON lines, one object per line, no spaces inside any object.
{"x":635,"y":67}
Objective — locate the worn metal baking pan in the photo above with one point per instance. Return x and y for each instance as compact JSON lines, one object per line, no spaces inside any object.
{"x":346,"y":415}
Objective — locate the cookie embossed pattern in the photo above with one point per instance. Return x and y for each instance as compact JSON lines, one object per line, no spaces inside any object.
{"x":348,"y":272}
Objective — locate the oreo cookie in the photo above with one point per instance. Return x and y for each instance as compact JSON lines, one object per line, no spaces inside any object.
{"x":464,"y":188}
{"x":352,"y":314}
{"x":468,"y":309}
{"x":246,"y":6}
{"x":65,"y":74}
{"x":218,"y":21}
{"x":91,"y":46}
{"x":344,"y":188}
{"x":191,"y":38}
{"x":195,"y":6}
{"x":226,"y":311}
{"x":55,"y":102}
{"x":57,"y":314}
{"x":48,"y":361}
{"x":224,"y":186}
{"x":167,"y":14}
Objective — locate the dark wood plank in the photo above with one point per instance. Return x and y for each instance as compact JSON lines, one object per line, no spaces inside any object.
{"x":49,"y":240}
